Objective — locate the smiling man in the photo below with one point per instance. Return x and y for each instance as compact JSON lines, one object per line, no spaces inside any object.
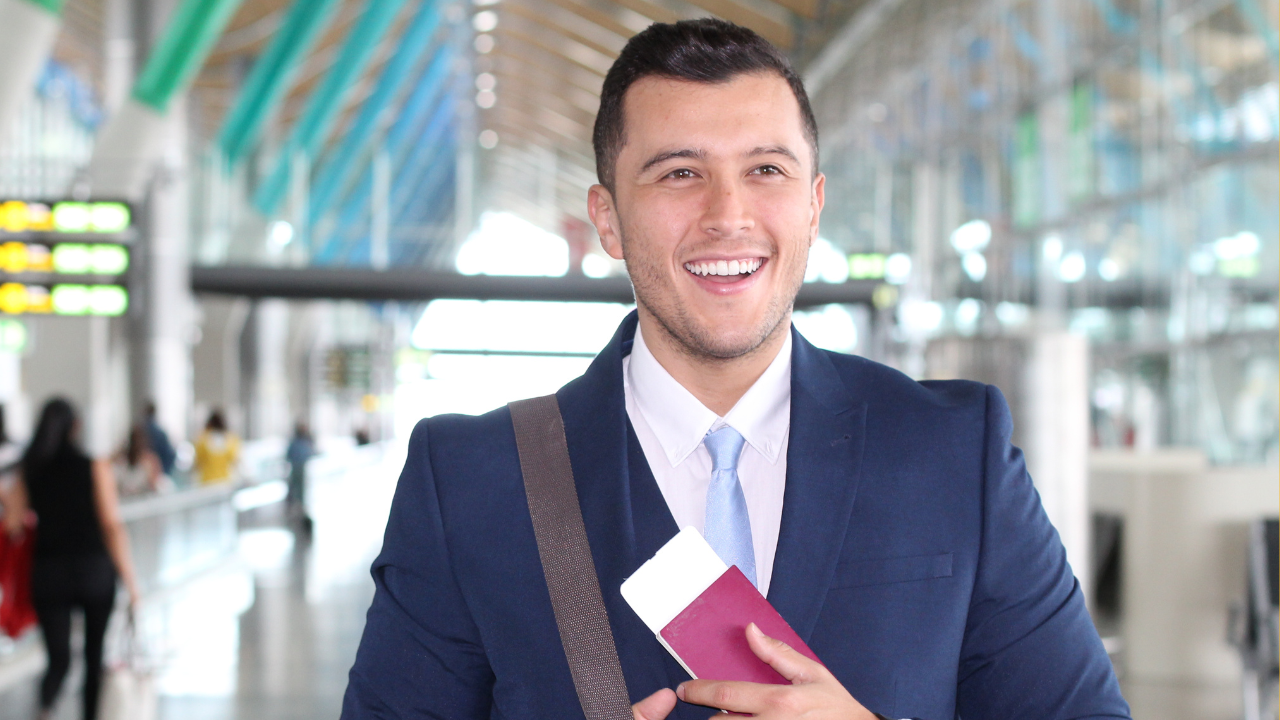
{"x":890,"y":522}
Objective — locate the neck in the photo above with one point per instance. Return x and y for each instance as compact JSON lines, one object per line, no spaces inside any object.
{"x":717,"y":383}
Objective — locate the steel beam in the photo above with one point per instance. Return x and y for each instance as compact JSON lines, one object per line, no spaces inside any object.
{"x":543,"y":98}
{"x":653,"y":11}
{"x":517,"y":113}
{"x":563,"y":70}
{"x":534,"y":136}
{"x":779,"y":34}
{"x":808,"y":9}
{"x":596,"y":17}
{"x":597,"y":65}
{"x":414,"y":284}
{"x":547,"y":23}
{"x":548,"y":85}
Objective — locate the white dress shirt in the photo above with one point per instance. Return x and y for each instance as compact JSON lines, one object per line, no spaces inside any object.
{"x":671,"y":423}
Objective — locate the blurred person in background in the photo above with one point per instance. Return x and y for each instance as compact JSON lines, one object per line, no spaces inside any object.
{"x":217,"y":451}
{"x":159,"y":443}
{"x":10,"y":454}
{"x":10,"y":451}
{"x":81,"y":547}
{"x":301,"y":449}
{"x":137,"y":466}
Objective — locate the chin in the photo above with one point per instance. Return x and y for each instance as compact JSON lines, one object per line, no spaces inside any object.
{"x":727,"y":340}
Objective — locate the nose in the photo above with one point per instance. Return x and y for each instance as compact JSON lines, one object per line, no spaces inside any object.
{"x":727,"y":213}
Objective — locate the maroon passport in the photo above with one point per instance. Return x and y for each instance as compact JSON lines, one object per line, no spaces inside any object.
{"x":709,"y":636}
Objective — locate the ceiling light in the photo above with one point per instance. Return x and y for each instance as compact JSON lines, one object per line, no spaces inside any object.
{"x":1109,"y":270}
{"x":484,"y":44}
{"x":486,"y":99}
{"x":897,"y":268}
{"x":972,"y":236}
{"x":1052,"y":248}
{"x":1072,"y":267}
{"x":1240,"y":245}
{"x":975,"y":266}
{"x":486,"y":81}
{"x":281,"y":233}
{"x":485,"y":21}
{"x":488,"y":139}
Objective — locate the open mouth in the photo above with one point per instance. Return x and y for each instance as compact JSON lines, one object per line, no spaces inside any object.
{"x":725,"y":270}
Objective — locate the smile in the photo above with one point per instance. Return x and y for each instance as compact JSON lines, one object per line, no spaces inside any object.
{"x":744,"y":266}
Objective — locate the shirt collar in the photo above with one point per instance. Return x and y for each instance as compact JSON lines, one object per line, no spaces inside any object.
{"x":680,"y":420}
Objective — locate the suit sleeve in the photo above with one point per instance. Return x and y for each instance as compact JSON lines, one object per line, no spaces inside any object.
{"x":421,"y":654}
{"x":1030,"y":648}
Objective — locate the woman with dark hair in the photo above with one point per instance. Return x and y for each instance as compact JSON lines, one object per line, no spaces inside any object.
{"x":137,"y":468}
{"x":81,"y":546}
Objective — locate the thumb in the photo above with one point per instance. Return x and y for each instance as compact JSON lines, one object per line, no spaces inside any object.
{"x":655,"y":707}
{"x":789,"y":663}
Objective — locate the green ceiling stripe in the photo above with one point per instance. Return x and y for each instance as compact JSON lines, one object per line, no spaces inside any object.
{"x":265,"y":87}
{"x":322,"y":107}
{"x":53,"y":6}
{"x":181,"y":50}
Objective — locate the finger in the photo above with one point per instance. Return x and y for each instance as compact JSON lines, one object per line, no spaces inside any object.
{"x":738,"y":697}
{"x":789,"y":663}
{"x":655,"y":707}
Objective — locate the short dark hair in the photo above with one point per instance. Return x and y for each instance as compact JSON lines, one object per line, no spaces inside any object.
{"x":705,"y":50}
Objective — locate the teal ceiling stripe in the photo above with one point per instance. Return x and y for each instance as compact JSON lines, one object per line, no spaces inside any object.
{"x":181,"y":50}
{"x":412,"y":115}
{"x":322,"y":107}
{"x":338,"y":168}
{"x":264,"y":88}
{"x":54,"y":7}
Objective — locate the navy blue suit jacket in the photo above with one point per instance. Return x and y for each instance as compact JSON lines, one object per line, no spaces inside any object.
{"x":914,"y":558}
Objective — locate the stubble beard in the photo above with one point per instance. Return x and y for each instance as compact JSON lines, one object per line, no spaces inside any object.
{"x":656,"y":296}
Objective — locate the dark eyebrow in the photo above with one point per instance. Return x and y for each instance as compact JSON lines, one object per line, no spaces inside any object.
{"x":665,"y":156}
{"x":773,"y":150}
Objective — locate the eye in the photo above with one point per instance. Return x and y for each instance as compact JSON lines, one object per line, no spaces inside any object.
{"x":680,"y":174}
{"x":767,"y":170}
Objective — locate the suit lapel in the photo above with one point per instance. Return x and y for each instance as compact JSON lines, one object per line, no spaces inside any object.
{"x":627,"y":519}
{"x":625,"y":516}
{"x":824,"y":457}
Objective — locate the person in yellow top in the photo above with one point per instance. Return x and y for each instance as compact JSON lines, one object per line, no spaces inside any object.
{"x":217,"y":451}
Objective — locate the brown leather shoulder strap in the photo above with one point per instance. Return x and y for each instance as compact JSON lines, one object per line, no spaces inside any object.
{"x":566,"y":559}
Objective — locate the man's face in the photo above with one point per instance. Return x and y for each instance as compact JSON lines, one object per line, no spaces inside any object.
{"x":715,"y":206}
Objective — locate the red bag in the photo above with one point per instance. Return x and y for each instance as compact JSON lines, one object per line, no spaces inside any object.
{"x":16,"y":611}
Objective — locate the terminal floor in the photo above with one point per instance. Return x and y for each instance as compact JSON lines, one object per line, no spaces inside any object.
{"x":270,"y":633}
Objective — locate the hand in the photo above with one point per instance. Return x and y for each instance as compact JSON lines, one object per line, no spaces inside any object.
{"x":135,"y":597}
{"x":655,"y":707}
{"x":814,"y":693}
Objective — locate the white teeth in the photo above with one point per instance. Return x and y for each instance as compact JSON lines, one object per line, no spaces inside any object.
{"x":725,"y":267}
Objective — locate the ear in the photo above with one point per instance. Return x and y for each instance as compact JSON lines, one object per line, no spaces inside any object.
{"x":604,"y":215}
{"x":817,"y":201}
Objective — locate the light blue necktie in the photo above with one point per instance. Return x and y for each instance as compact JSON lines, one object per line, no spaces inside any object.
{"x":728,"y":527}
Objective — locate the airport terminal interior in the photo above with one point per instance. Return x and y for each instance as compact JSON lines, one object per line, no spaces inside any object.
{"x":294,"y":228}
